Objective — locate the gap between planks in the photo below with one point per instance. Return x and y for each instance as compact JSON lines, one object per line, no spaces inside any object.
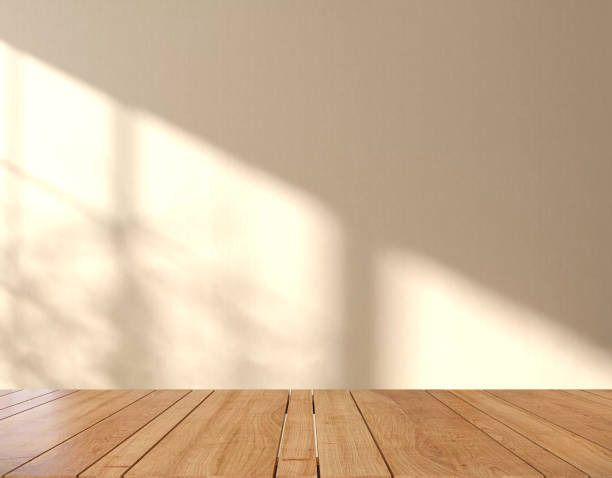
{"x":164,"y":435}
{"x":470,"y":423}
{"x":282,"y":435}
{"x":137,"y":430}
{"x":503,"y":425}
{"x":316,"y":441}
{"x":371,"y":434}
{"x":555,"y":423}
{"x":76,"y":434}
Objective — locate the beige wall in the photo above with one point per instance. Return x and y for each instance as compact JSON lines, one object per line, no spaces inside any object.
{"x":305,"y":193}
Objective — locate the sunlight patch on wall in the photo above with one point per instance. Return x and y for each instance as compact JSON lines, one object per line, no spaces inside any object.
{"x":66,"y":136}
{"x":254,"y":261}
{"x":438,"y":329}
{"x":4,"y":127}
{"x":142,"y":256}
{"x":134,"y":254}
{"x":54,"y":204}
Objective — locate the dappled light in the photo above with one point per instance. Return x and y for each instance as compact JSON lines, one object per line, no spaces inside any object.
{"x":313,"y":195}
{"x":144,"y":256}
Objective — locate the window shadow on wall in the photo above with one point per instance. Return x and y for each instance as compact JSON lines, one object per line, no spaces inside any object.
{"x":449,"y":134}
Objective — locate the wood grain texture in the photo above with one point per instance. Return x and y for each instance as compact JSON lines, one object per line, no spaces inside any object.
{"x":28,"y":434}
{"x":20,"y":396}
{"x":75,"y":455}
{"x":601,"y":393}
{"x":231,"y":434}
{"x":27,"y":405}
{"x":585,"y":455}
{"x":346,"y":448}
{"x":419,"y":436}
{"x":172,"y":434}
{"x":121,"y":458}
{"x":297,"y":456}
{"x":541,"y":459}
{"x":590,"y":397}
{"x":583,"y":416}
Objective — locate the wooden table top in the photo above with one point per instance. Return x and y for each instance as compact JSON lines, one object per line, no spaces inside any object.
{"x":333,"y":433}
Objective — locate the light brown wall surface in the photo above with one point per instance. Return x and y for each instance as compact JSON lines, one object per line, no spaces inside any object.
{"x":305,"y":193}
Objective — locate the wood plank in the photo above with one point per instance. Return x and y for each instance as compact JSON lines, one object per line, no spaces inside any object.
{"x":590,"y":396}
{"x":346,"y":448}
{"x":120,"y":459}
{"x":28,"y":434}
{"x":419,"y":436}
{"x":35,"y":402}
{"x":232,"y":433}
{"x":580,"y":415}
{"x":541,"y":459}
{"x":75,"y":455}
{"x":585,"y":455}
{"x":20,"y":396}
{"x":7,"y":391}
{"x":601,"y":393}
{"x":297,"y":456}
